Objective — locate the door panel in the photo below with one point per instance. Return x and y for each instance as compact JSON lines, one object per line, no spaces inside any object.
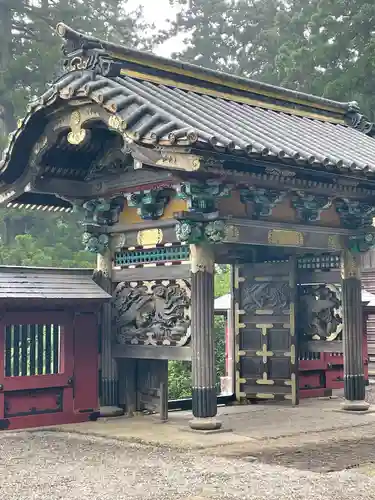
{"x":266,"y":347}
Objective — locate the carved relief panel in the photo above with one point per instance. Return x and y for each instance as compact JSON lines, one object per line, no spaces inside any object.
{"x":152,"y":313}
{"x":320,"y":313}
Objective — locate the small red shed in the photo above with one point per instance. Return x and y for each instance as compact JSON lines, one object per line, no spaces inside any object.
{"x":48,"y":346}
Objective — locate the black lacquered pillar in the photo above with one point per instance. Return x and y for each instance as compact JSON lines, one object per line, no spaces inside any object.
{"x":202,"y":338}
{"x":108,"y":367}
{"x":354,"y":379}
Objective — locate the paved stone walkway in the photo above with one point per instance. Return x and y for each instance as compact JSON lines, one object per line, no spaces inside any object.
{"x":51,"y":465}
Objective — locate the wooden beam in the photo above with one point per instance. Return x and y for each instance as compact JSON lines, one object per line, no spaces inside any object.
{"x":180,"y":271}
{"x":322,"y":346}
{"x":259,"y":232}
{"x":332,"y":277}
{"x":168,"y":353}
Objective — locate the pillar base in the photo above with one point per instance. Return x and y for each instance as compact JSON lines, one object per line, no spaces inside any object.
{"x":111,"y":411}
{"x":205,"y":424}
{"x":355,"y":405}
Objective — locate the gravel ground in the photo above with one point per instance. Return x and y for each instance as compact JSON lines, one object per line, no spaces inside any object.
{"x":50,"y":466}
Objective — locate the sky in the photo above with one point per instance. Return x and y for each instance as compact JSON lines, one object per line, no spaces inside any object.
{"x":158,"y":11}
{"x":155,"y":11}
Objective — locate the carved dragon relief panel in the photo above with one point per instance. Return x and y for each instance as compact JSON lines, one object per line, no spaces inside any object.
{"x":274,"y":296}
{"x":152,"y":313}
{"x":320,"y":313}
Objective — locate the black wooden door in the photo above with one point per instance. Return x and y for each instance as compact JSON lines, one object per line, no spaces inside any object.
{"x":266,"y":347}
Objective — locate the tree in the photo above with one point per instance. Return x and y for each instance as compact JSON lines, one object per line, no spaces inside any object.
{"x":241,"y":37}
{"x":29,"y":55}
{"x":30,"y":50}
{"x":324,"y":47}
{"x":42,"y":239}
{"x":335,"y":56}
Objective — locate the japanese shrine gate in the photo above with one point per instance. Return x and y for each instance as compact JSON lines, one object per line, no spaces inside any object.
{"x":178,"y":168}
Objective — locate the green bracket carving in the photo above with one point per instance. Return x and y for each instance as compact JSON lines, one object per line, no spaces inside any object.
{"x":215,"y":231}
{"x":103,"y":212}
{"x":95,"y":243}
{"x":193,"y":232}
{"x":309,"y":206}
{"x":202,"y":198}
{"x":361,"y":243}
{"x":190,"y":231}
{"x":150,"y":204}
{"x":355,"y":214}
{"x":263,"y":200}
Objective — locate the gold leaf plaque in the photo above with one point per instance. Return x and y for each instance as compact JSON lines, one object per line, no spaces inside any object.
{"x":149,"y":237}
{"x":285,"y":238}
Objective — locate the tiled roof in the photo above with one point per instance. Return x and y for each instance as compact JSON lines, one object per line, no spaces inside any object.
{"x":167,"y":102}
{"x":154,"y":113}
{"x":23,"y":283}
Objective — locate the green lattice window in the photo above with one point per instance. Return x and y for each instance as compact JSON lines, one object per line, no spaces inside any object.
{"x":319,"y":262}
{"x":152,"y":255}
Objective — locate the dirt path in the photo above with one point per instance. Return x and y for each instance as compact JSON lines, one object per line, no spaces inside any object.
{"x":60,"y":466}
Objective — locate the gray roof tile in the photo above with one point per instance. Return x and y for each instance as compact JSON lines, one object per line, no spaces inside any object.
{"x":49,"y":283}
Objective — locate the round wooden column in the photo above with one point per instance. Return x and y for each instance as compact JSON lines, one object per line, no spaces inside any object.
{"x":202,"y":338}
{"x":108,"y":366}
{"x":354,"y":379}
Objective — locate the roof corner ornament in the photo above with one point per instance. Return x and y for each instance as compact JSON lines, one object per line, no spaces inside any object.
{"x":359,"y":122}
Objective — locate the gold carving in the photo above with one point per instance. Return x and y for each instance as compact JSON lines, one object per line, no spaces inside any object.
{"x":334,"y":242}
{"x":187,"y":162}
{"x":264,"y":353}
{"x":264,"y":327}
{"x":350,"y":265}
{"x":291,"y":354}
{"x":77,"y":134}
{"x":293,"y":384}
{"x":202,"y":259}
{"x":285,"y":238}
{"x":117,"y":123}
{"x":239,"y":380}
{"x":232,"y":233}
{"x":265,"y":380}
{"x":264,"y":396}
{"x":150,"y":237}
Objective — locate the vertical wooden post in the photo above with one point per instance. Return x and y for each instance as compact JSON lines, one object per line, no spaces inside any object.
{"x":127,"y":379}
{"x":202,"y":337}
{"x":354,"y":380}
{"x":163,"y":401}
{"x":108,"y":367}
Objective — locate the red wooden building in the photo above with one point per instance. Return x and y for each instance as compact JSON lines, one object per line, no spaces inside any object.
{"x":48,"y":346}
{"x":368,"y":282}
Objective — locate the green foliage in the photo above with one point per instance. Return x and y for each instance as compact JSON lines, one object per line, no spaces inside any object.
{"x":180,"y":371}
{"x":324,"y":47}
{"x":42,"y":239}
{"x":30,"y":49}
{"x":179,"y":379}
